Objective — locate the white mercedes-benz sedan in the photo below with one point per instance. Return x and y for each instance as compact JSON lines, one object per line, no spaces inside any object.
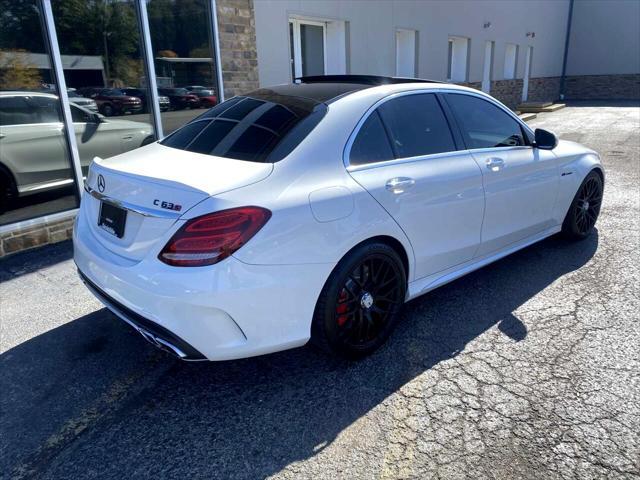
{"x":313,"y":211}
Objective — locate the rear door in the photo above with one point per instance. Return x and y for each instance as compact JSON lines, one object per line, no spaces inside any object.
{"x":406,"y":156}
{"x":521,"y":183}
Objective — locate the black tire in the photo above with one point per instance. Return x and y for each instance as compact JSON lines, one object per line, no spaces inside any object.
{"x":360,"y":302}
{"x":107,"y":110}
{"x":585,"y":208}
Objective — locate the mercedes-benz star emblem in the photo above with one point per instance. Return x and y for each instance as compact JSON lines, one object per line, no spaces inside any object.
{"x":101,"y":183}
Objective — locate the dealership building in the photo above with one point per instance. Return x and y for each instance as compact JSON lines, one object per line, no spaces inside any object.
{"x":516,"y":50}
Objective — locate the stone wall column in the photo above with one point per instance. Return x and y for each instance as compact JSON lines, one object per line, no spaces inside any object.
{"x":238,"y":51}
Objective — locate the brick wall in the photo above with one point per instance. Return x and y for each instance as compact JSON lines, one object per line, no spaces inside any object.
{"x":238,"y":52}
{"x":592,"y":87}
{"x":546,"y":89}
{"x":508,"y":92}
{"x":35,"y":236}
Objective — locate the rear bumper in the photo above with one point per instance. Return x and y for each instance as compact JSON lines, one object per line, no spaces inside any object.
{"x":151,"y":331}
{"x":226,"y":311}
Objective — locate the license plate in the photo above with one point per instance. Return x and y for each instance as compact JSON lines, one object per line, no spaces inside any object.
{"x":112,"y":219}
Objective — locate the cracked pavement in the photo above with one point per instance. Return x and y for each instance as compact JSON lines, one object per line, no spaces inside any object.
{"x":528,"y":368}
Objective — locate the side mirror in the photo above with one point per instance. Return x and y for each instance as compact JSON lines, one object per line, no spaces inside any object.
{"x":545,"y":140}
{"x":96,"y":118}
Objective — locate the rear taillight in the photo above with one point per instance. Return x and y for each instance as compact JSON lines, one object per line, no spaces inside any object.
{"x":213,"y":237}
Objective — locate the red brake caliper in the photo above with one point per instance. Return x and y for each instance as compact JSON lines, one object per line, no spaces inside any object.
{"x":341,"y":309}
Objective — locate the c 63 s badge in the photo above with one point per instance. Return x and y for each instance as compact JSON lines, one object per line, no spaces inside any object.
{"x":167,"y":205}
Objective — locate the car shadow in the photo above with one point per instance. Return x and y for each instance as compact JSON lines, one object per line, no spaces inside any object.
{"x":138,"y":412}
{"x":15,"y":265}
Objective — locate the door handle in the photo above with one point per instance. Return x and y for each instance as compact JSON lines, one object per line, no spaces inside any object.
{"x":495,"y":164}
{"x":127,"y":137}
{"x":398,"y":185}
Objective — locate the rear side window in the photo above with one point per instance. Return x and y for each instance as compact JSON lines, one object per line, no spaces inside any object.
{"x":371,"y":145}
{"x":27,"y":110}
{"x":16,"y":111}
{"x":261,"y":127}
{"x":417,"y":126}
{"x":483,"y":124}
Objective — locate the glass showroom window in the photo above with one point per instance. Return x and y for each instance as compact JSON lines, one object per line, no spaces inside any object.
{"x":36,"y":176}
{"x":184,"y":61}
{"x":101,"y":53}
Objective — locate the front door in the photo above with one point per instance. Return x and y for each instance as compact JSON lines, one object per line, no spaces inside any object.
{"x":520,"y":182}
{"x":406,"y":157}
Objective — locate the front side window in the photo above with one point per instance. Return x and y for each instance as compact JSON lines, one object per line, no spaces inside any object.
{"x":417,"y":126}
{"x":47,"y":108}
{"x":260,"y":127}
{"x":483,"y":124}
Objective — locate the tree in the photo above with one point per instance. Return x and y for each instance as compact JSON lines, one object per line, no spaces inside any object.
{"x":16,"y":73}
{"x":167,"y":54}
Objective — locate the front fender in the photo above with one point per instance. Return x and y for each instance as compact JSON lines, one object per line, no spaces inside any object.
{"x":575,"y":162}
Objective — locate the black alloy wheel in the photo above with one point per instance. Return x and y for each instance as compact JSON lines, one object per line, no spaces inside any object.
{"x":585,"y":208}
{"x":359,"y":305}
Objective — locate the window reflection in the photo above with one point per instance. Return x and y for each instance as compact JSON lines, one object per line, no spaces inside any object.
{"x":36,"y":177}
{"x":180,"y":39}
{"x":104,"y":72}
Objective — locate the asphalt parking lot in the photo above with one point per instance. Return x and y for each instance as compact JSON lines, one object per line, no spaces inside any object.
{"x":528,"y":368}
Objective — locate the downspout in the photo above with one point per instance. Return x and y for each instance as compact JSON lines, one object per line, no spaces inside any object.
{"x":566,"y":51}
{"x":214,"y":35}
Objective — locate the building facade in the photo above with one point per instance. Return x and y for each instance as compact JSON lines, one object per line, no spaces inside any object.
{"x":94,"y":78}
{"x":513,"y":49}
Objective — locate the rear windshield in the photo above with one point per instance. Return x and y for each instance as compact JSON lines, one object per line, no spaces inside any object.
{"x":260,"y":127}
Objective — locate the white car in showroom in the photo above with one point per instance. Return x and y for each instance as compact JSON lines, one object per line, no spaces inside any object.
{"x":33,"y":151}
{"x":315,"y":210}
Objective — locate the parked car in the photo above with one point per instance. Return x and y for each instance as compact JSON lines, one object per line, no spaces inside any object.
{"x":180,"y":98}
{"x":207,"y":98}
{"x":33,"y":152}
{"x":73,"y":95}
{"x":193,"y":88}
{"x":113,"y":101}
{"x":141,"y":93}
{"x":88,"y":91}
{"x":315,"y":210}
{"x":77,"y":99}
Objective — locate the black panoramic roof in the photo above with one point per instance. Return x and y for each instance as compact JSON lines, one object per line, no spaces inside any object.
{"x":318,"y":92}
{"x":328,"y":88}
{"x":369,"y":80}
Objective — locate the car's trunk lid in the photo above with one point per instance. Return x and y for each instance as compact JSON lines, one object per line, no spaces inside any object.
{"x":156,"y":185}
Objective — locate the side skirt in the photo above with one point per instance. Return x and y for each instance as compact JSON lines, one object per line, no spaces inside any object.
{"x":426,"y":284}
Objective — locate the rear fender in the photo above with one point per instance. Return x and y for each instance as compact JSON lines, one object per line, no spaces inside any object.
{"x":295,"y":235}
